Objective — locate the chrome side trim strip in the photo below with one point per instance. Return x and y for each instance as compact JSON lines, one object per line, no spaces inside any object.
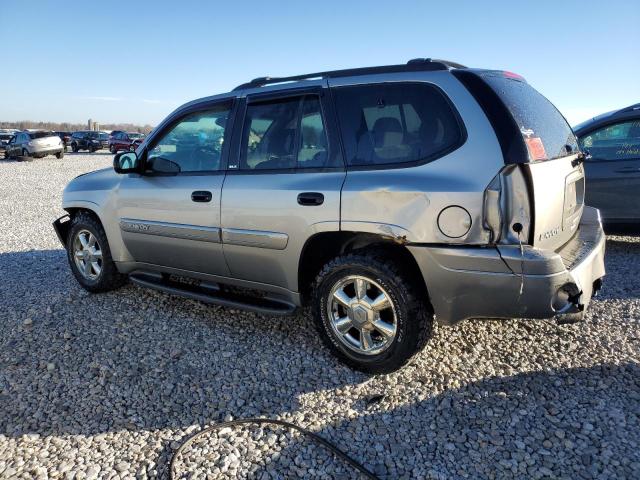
{"x":173,"y":230}
{"x":255,"y":238}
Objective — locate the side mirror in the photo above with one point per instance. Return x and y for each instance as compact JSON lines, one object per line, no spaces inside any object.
{"x":126,"y":162}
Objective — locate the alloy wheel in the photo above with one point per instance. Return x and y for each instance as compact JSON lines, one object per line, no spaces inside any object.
{"x":87,"y":254}
{"x":362,"y":315}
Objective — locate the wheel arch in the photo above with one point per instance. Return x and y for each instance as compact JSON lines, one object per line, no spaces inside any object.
{"x":324,"y":246}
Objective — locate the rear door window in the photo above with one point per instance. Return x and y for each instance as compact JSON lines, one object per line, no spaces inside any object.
{"x":619,"y":141}
{"x":284,"y":134}
{"x":396,"y":123}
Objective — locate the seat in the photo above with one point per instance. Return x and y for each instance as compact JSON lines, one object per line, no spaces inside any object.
{"x":388,"y":139}
{"x":279,"y":150}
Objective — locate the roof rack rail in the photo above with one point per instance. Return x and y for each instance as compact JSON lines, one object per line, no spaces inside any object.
{"x":414,"y":65}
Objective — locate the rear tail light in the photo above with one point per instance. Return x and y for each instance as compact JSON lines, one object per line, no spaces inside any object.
{"x":507,"y":209}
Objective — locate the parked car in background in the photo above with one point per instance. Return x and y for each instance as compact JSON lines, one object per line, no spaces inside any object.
{"x":89,"y":140}
{"x":66,"y":139}
{"x":34,"y":144}
{"x":378,"y":196}
{"x":127,"y":141}
{"x":5,"y":136}
{"x":612,"y":141}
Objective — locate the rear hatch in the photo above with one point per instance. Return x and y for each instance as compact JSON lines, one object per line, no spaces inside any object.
{"x":535,"y":135}
{"x":43,"y":140}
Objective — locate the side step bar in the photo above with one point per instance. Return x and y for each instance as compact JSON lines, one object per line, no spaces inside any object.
{"x":212,"y":293}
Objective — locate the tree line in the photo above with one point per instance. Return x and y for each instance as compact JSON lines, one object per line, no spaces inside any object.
{"x":73,"y":127}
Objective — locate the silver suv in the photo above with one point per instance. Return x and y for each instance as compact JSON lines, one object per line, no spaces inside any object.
{"x":34,"y":144}
{"x":385,"y":198}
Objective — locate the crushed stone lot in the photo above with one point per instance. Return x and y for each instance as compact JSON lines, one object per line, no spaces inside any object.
{"x":107,"y":386}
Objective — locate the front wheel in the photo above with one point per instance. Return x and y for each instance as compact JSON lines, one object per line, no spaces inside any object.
{"x":369,"y":313}
{"x":60,"y":155}
{"x":90,"y":257}
{"x":74,"y":148}
{"x":113,"y":149}
{"x":25,"y":154}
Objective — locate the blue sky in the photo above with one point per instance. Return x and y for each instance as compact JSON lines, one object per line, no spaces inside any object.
{"x":136,"y":61}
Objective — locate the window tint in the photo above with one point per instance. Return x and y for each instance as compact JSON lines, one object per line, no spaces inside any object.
{"x":313,"y":150}
{"x":620,"y":141}
{"x":41,"y":134}
{"x":546,"y":133}
{"x":395,"y":123}
{"x":195,"y":142}
{"x":284,"y":134}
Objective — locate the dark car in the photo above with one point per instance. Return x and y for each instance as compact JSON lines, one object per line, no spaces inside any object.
{"x":128,"y":141}
{"x":5,"y":136}
{"x":612,"y":141}
{"x":65,"y":137}
{"x":89,"y":140}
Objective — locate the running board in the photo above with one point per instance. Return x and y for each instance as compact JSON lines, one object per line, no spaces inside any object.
{"x":212,"y":293}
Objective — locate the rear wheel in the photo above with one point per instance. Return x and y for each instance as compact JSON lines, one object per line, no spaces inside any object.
{"x":25,"y":154}
{"x":60,"y":155}
{"x":90,"y":257}
{"x":74,"y":148}
{"x":370,"y":314}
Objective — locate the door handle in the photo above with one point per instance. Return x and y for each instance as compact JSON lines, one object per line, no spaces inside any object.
{"x":310,"y":198}
{"x":201,"y":196}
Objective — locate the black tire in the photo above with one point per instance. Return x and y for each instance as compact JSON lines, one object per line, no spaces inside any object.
{"x":60,"y":155}
{"x":113,"y":149}
{"x":109,"y":277}
{"x":413,"y":315}
{"x":74,"y":148}
{"x":25,"y":154}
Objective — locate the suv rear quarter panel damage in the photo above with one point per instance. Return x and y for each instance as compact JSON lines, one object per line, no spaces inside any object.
{"x":404,"y":203}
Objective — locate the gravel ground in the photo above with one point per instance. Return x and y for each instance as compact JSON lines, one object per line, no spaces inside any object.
{"x":106,"y":386}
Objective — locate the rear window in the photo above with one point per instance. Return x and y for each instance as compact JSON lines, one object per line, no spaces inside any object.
{"x":34,"y":135}
{"x":546,"y":133}
{"x":396,"y":123}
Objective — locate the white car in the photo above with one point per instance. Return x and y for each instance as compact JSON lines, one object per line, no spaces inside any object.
{"x":34,"y":144}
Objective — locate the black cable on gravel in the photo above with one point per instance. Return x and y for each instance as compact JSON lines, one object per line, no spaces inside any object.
{"x":266,"y":421}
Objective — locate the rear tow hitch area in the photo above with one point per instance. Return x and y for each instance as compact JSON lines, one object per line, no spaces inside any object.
{"x":567,"y":304}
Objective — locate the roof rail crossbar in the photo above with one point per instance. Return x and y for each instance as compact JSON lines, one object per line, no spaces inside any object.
{"x":415,"y":65}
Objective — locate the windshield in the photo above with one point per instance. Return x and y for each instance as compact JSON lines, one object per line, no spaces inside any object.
{"x":545,"y":131}
{"x":5,"y":136}
{"x":34,"y":135}
{"x":135,"y":136}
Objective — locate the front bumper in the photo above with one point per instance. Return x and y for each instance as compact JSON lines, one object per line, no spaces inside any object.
{"x":500,"y":282}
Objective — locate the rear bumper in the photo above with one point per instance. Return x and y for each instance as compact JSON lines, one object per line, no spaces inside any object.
{"x":47,"y":151}
{"x":486,"y":282}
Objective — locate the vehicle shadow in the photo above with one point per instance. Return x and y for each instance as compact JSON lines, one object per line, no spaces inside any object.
{"x":561,"y":423}
{"x":134,"y":360}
